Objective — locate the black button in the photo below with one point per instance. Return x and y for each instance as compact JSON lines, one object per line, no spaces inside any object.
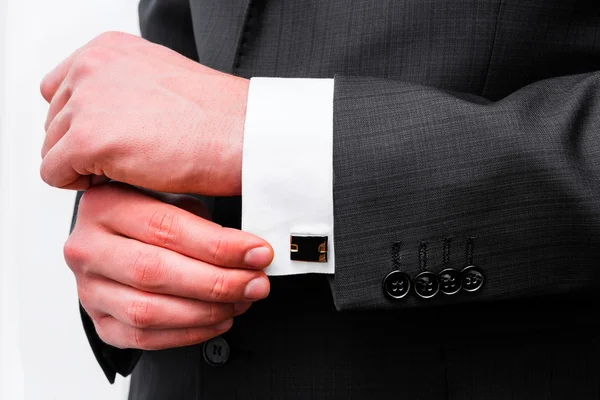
{"x":396,"y":284}
{"x":426,"y":285}
{"x":450,"y":281}
{"x":216,"y":351}
{"x":472,"y":278}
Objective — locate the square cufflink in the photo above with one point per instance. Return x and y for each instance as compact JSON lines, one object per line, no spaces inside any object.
{"x":309,"y":248}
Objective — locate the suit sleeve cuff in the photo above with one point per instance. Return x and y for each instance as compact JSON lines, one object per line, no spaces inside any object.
{"x":287,"y":171}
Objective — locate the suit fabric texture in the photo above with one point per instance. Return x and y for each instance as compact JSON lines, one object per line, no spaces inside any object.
{"x":465,"y":133}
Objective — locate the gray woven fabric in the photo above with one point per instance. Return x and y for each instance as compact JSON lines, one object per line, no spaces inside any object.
{"x":520,"y":176}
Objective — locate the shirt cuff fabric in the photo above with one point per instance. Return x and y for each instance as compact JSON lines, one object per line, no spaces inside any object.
{"x":287,"y":167}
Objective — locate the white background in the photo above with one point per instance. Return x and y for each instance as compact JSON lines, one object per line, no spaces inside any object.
{"x":43,"y":350}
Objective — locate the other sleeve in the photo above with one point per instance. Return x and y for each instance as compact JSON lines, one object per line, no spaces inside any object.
{"x":501,"y":199}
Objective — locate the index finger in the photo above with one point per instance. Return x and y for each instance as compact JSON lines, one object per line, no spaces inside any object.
{"x":153,"y":222}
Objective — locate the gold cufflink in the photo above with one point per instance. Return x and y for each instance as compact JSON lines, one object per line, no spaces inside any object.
{"x":308,"y":248}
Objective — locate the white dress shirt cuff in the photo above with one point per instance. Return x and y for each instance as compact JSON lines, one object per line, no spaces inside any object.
{"x":287,"y":171}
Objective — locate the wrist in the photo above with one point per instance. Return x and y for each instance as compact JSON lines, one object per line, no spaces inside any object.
{"x":233,"y":147}
{"x":222,"y":112}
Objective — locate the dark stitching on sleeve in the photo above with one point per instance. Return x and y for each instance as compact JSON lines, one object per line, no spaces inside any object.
{"x":446,"y":253}
{"x":469,"y":250}
{"x":396,"y":255}
{"x":423,"y":256}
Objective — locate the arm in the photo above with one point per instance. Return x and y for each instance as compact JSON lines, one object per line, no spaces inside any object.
{"x":521,"y":176}
{"x":513,"y":181}
{"x":426,"y":180}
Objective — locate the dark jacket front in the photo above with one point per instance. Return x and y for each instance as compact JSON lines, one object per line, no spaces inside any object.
{"x":466,"y":134}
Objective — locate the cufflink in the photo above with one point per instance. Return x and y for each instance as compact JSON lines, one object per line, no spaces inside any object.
{"x":309,"y":248}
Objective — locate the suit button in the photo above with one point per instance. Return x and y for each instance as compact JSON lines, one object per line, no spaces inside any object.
{"x":450,"y":281}
{"x":396,"y":284}
{"x":472,"y":278}
{"x":216,"y":351}
{"x":426,"y":285}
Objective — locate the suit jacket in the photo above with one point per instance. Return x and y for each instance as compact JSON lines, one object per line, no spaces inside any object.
{"x":466,"y":134}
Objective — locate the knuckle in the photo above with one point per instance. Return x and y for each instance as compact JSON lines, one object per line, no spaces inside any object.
{"x":84,"y":295}
{"x":164,"y":228}
{"x":104,"y":331}
{"x":75,"y":106}
{"x":89,"y":61}
{"x":213,"y":313}
{"x":80,"y":137}
{"x":219,"y":288}
{"x":46,"y":87}
{"x":61,"y":119}
{"x":148,"y":271}
{"x":83,"y":64}
{"x":194,"y":336}
{"x":75,"y":254}
{"x":189,"y":336}
{"x":139,"y":314}
{"x":218,"y":313}
{"x":141,"y":339}
{"x":46,"y":172}
{"x":219,"y":249}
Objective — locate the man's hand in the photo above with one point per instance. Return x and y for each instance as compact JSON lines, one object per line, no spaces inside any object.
{"x":153,"y":276}
{"x":127,"y":109}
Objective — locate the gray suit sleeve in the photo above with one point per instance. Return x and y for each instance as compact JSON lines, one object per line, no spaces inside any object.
{"x":426,"y":179}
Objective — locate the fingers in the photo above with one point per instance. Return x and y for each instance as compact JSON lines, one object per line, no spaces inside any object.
{"x":132,"y":290}
{"x":123,"y":336}
{"x":53,"y":80}
{"x":56,"y":129}
{"x":157,"y":270}
{"x":153,"y":222}
{"x":145,"y":310}
{"x":58,"y":172}
{"x":51,"y":83}
{"x":57,"y":166}
{"x":61,"y":98}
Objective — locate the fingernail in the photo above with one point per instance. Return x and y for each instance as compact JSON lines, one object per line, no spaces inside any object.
{"x":223,"y":326}
{"x":258,"y":257}
{"x":239,"y":308}
{"x":257,"y":289}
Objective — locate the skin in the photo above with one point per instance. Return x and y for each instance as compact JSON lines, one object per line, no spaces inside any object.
{"x":152,"y":275}
{"x":125,"y":109}
{"x":152,"y":270}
